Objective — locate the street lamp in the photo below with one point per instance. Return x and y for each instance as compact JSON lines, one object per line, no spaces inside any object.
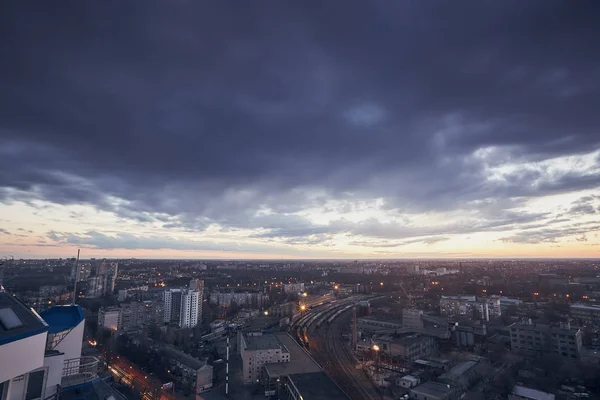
{"x":376,"y":350}
{"x":302,"y":307}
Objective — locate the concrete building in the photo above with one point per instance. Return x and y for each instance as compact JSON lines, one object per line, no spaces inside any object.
{"x":585,"y":314}
{"x":80,"y":272}
{"x":537,"y":339}
{"x":181,"y":307}
{"x":525,"y":393}
{"x":299,"y":378}
{"x":374,"y":324}
{"x":408,"y":347}
{"x":109,"y":318}
{"x":258,"y":349}
{"x":470,"y":307}
{"x":468,"y":336}
{"x":412,"y":318}
{"x":197,"y":285}
{"x":291,"y":288}
{"x":245,"y":299}
{"x":407,"y":381}
{"x":508,"y":303}
{"x":466,"y":373}
{"x":189,"y":370}
{"x":494,"y":306}
{"x":431,"y":391}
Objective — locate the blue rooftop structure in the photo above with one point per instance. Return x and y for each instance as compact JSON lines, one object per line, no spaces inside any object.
{"x":62,"y":318}
{"x":17,"y":321}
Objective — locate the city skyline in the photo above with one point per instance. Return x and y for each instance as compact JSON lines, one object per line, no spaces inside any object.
{"x":356,"y":130}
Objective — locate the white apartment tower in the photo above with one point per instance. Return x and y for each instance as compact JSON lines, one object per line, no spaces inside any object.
{"x":181,"y":307}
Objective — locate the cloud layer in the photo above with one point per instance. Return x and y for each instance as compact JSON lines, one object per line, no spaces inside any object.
{"x":344,"y":124}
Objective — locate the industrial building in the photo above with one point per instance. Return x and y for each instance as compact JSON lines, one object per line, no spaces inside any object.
{"x":482,"y":308}
{"x":585,"y":314}
{"x":532,"y":339}
{"x":431,"y":391}
{"x":407,"y":347}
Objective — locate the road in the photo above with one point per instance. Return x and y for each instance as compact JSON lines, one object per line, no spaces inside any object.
{"x":127,"y":373}
{"x":333,"y":353}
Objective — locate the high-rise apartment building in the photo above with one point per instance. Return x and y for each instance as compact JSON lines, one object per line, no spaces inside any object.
{"x":197,"y":285}
{"x":102,"y":283}
{"x":181,"y":307}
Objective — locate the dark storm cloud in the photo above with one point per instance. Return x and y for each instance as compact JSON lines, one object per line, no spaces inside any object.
{"x":194,"y":113}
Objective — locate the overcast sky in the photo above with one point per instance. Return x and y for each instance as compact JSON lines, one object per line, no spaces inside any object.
{"x":306,"y":129}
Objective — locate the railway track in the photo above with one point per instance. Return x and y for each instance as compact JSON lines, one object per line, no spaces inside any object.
{"x":333,"y":353}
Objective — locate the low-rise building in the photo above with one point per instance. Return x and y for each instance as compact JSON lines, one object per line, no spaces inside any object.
{"x":466,"y":373}
{"x":431,"y":391}
{"x":187,"y":369}
{"x":407,"y":381}
{"x":373,"y":324}
{"x":534,"y":339}
{"x":407,"y":347}
{"x":585,"y":314}
{"x":525,"y":393}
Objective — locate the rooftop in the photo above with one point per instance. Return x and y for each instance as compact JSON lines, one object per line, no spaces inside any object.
{"x":17,"y":321}
{"x":432,"y":389}
{"x":300,"y":362}
{"x":62,"y":318}
{"x":183,"y":358}
{"x":317,"y":386}
{"x":460,"y":298}
{"x":458,"y":370}
{"x":586,"y":307}
{"x":263,"y":342}
{"x":530,"y":393}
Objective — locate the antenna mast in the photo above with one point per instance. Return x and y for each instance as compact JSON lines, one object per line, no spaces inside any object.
{"x":76,"y":276}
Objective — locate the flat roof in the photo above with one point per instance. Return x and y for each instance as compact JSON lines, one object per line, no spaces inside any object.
{"x":458,"y":370}
{"x":17,"y":320}
{"x":317,"y":386}
{"x":586,"y":307}
{"x":432,"y":389}
{"x":183,"y":358}
{"x":62,"y":318}
{"x":530,"y":393}
{"x":263,"y":341}
{"x":460,"y":298}
{"x":300,"y":362}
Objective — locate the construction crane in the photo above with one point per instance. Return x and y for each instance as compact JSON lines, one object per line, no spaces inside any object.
{"x":408,"y":296}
